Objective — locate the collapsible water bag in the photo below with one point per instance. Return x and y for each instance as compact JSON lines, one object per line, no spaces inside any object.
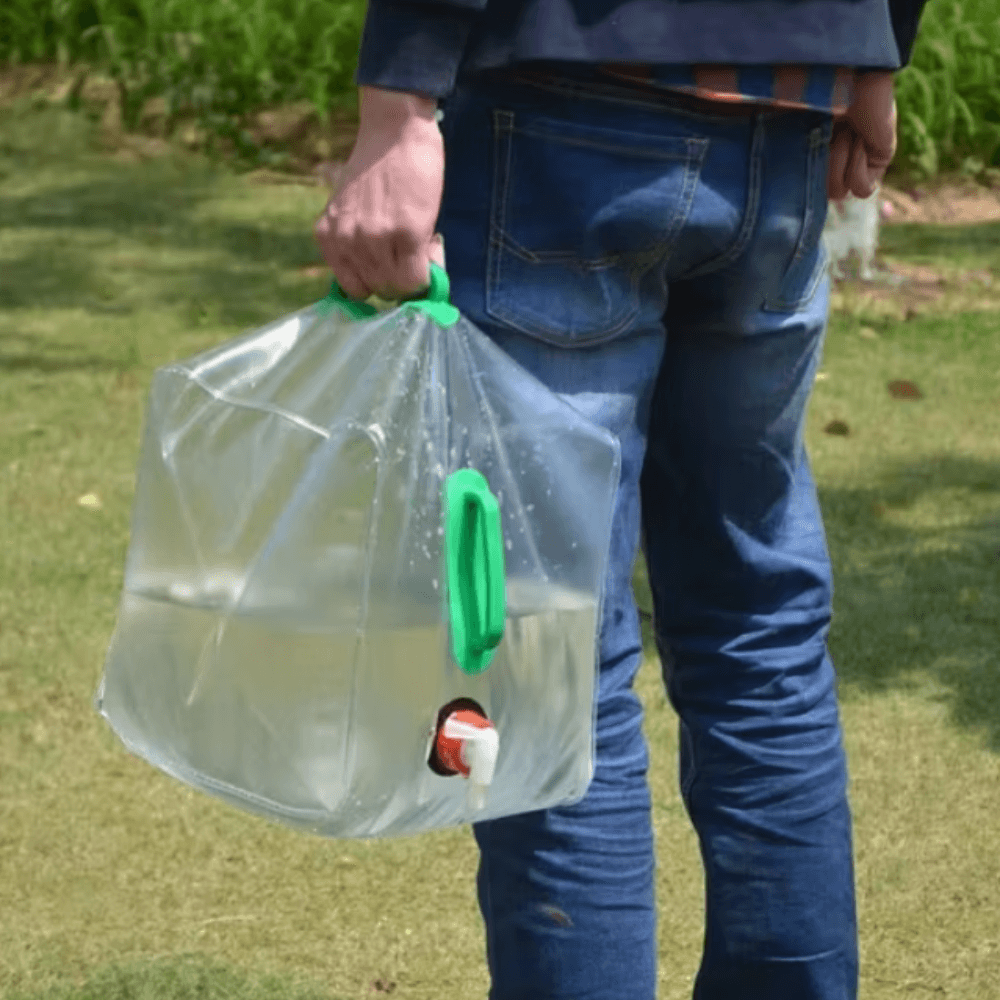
{"x":362,"y":591}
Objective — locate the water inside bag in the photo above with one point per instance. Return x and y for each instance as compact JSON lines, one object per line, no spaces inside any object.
{"x":331,"y":725}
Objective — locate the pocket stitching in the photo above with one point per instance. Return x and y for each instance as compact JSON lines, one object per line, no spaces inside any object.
{"x":556,"y":134}
{"x":779,"y":302}
{"x":499,"y":240}
{"x":746,"y":231}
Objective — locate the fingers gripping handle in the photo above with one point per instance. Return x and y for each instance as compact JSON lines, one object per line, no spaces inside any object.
{"x":434,"y":301}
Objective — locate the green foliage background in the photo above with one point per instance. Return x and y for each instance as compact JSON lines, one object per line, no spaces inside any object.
{"x":222,"y":59}
{"x":218,"y":58}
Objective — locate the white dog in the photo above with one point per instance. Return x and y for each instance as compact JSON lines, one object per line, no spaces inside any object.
{"x":852,"y":225}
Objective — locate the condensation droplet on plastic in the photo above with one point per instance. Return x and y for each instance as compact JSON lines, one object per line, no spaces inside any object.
{"x":510,"y":545}
{"x":573,"y":546}
{"x":530,"y":507}
{"x":435,"y":583}
{"x":548,"y":493}
{"x":440,"y":530}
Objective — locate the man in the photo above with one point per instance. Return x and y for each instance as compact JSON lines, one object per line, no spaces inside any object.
{"x":632,"y":197}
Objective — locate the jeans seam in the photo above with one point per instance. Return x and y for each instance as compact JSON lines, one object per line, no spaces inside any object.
{"x":649,"y":152}
{"x":685,"y":787}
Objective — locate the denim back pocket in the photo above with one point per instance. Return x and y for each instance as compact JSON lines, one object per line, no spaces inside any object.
{"x":809,"y":260}
{"x":579,"y":215}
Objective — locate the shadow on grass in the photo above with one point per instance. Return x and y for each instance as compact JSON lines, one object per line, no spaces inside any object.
{"x":159,"y":206}
{"x":187,"y":977}
{"x":115,"y":238}
{"x":157,"y":226}
{"x":921,"y":599}
{"x":913,"y":601}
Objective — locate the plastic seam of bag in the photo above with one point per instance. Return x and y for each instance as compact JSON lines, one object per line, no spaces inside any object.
{"x":225,"y":397}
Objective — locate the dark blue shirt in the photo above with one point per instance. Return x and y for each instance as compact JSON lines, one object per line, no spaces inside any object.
{"x":422,"y":46}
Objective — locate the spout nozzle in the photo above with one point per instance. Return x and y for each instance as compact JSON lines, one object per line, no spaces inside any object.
{"x":480,"y":747}
{"x":467,"y":743}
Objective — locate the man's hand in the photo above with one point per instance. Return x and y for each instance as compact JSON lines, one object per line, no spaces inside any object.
{"x":377,"y":231}
{"x":864,"y":139}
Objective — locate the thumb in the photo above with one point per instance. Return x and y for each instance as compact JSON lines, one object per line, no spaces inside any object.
{"x":859,"y":178}
{"x":880,"y":155}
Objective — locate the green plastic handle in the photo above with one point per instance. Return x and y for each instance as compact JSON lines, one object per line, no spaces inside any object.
{"x":434,"y":300}
{"x":477,"y":591}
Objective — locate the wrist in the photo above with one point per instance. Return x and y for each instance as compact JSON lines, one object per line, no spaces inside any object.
{"x":393,"y":108}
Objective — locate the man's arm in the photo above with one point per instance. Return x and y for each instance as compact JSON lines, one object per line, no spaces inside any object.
{"x":377,"y":231}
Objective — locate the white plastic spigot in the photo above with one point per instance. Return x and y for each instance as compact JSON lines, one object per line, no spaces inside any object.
{"x":480,"y":747}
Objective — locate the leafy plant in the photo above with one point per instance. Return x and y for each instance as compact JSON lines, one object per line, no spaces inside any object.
{"x":218,"y":60}
{"x":949,"y":96}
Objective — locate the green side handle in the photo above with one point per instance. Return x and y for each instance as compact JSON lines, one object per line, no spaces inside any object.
{"x":434,"y":301}
{"x":476,"y":585}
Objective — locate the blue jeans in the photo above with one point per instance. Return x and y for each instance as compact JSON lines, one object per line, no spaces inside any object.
{"x":661,"y":268}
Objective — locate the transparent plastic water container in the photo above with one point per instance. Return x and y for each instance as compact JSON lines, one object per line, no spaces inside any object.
{"x":362,"y":591}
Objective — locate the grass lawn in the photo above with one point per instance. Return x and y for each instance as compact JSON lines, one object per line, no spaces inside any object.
{"x":117,"y":882}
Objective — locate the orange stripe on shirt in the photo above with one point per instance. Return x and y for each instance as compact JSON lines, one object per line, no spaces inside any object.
{"x":722,"y":81}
